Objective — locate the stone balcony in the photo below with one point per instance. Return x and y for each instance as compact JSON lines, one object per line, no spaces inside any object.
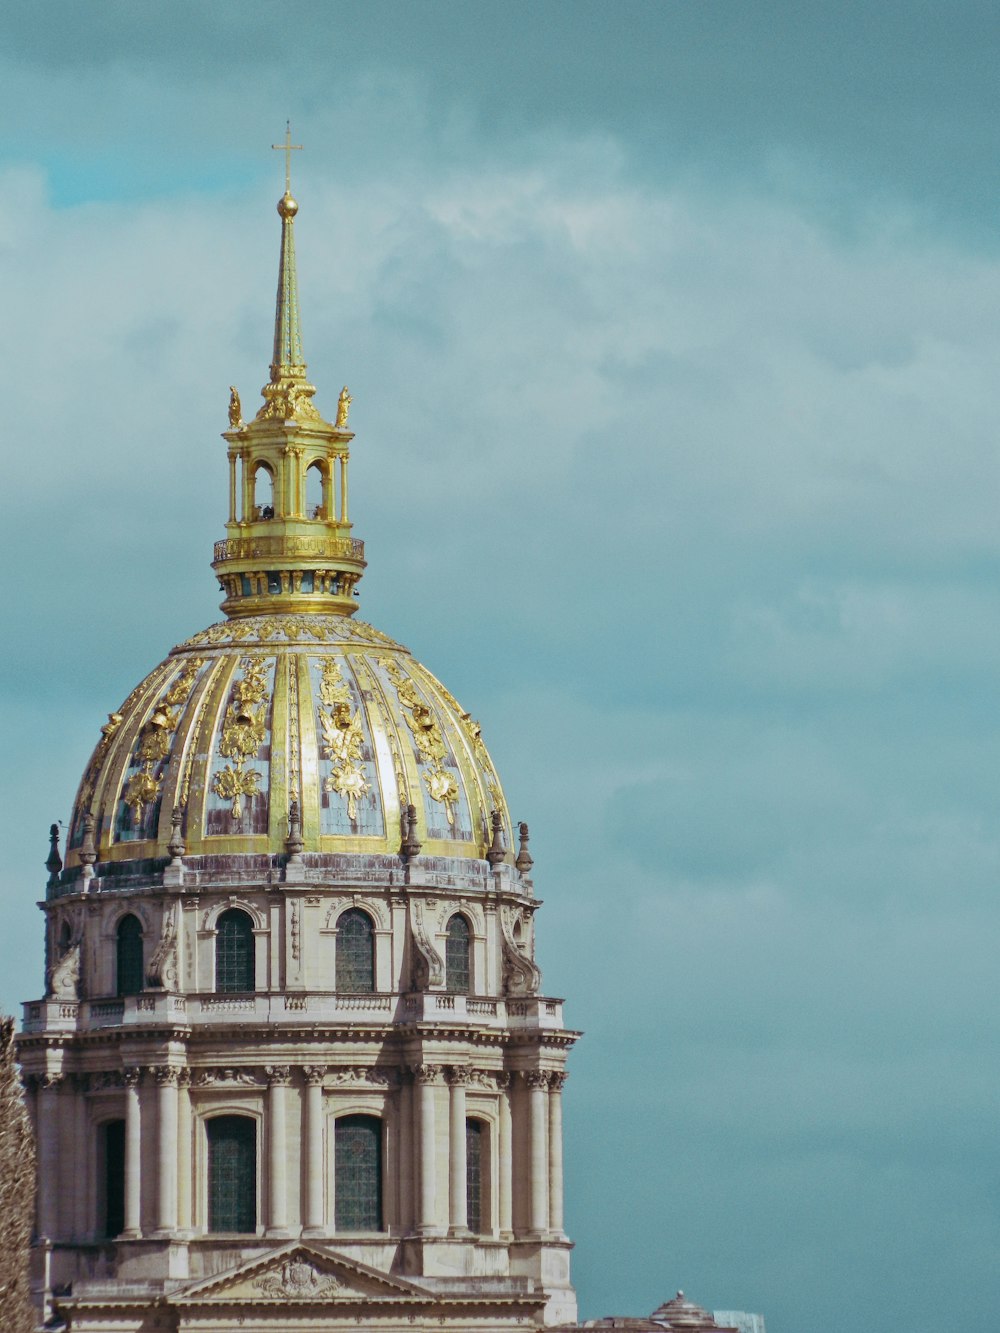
{"x":291,"y":1009}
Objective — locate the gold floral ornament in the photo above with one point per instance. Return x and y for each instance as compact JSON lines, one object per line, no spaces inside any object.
{"x":154,"y":742}
{"x":430,"y":743}
{"x":243,"y":733}
{"x":342,"y":738}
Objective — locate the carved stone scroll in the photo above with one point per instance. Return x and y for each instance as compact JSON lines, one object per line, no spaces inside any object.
{"x":428,"y":966}
{"x":520,"y":975}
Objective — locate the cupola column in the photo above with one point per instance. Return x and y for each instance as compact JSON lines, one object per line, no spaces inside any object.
{"x":166,"y":1109}
{"x":538,"y":1217}
{"x":279,"y":1077}
{"x":314,"y":1173}
{"x":133,"y":1153}
{"x":458,"y":1205}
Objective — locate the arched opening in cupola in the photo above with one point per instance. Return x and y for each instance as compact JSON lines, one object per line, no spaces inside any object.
{"x":317,"y":490}
{"x":263,"y":491}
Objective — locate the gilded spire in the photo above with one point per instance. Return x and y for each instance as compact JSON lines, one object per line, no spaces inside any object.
{"x":288,"y":545}
{"x":287,"y":361}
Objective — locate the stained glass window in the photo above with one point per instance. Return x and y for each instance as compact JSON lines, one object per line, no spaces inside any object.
{"x":456,"y":957}
{"x":234,"y":951}
{"x":232,"y":1173}
{"x":355,"y":953}
{"x":358,"y":1173}
{"x":113,"y":1145}
{"x":474,"y":1134}
{"x":129,"y":956}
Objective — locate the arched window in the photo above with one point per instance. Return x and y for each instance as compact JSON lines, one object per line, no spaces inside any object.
{"x":457,"y":972}
{"x":263,"y":492}
{"x":129,"y":956}
{"x":355,"y":953}
{"x":112,"y":1154}
{"x":315,"y":491}
{"x":358,"y":1173}
{"x":232,"y":1173}
{"x":475,"y":1133}
{"x":234,"y":951}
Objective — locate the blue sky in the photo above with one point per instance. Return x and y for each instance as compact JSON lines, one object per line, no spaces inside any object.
{"x":672,"y":331}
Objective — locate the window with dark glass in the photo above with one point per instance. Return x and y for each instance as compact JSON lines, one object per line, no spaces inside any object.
{"x":358,"y":1173}
{"x":113,"y":1156}
{"x":129,"y":956}
{"x":234,"y":951}
{"x":456,"y":957}
{"x":355,"y":953}
{"x":232,"y":1173}
{"x":474,"y":1135}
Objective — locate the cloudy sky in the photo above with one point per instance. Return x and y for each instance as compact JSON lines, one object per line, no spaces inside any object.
{"x":673,"y":333}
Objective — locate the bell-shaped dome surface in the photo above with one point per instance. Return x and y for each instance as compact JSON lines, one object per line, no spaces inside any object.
{"x":257,"y":713}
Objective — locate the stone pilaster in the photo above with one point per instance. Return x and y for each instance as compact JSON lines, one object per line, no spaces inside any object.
{"x":166,"y":1151}
{"x":458,"y":1209}
{"x":313,"y":1219}
{"x":131,"y":1078}
{"x":278,"y":1079}
{"x":425,"y":1078}
{"x":537,"y":1081}
{"x":556,"y":1080}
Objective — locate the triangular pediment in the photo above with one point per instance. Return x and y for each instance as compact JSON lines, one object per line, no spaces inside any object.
{"x":300,"y":1273}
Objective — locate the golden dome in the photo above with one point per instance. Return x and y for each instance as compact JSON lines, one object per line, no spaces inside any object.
{"x":255,"y":713}
{"x":289,"y":727}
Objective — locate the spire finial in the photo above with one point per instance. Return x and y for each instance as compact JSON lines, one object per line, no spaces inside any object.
{"x":287,"y":363}
{"x":287,"y":148}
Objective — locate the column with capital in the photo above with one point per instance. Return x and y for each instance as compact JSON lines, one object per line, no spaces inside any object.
{"x":458,"y":1200}
{"x":278,"y":1079}
{"x":425,"y":1077}
{"x":184,"y":1146}
{"x":166,"y":1115}
{"x":504,"y":1156}
{"x":312,"y":1218}
{"x":556,"y":1080}
{"x":538,"y":1215}
{"x":48,"y":1153}
{"x":131,"y":1077}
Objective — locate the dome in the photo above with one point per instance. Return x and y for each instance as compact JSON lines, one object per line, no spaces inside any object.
{"x":257,"y":715}
{"x":290,"y":727}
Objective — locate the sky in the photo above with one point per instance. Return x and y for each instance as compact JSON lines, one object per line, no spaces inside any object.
{"x":672,"y":331}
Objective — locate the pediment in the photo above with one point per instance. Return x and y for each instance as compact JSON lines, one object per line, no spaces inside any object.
{"x":300,"y":1274}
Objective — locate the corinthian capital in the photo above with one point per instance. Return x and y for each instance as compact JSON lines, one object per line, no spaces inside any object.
{"x":426,"y":1073}
{"x":278,"y":1075}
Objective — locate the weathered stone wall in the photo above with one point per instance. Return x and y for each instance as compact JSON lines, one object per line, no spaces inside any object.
{"x":17,"y":1192}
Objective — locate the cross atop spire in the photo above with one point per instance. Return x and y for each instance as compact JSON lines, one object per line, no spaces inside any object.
{"x":287,"y":148}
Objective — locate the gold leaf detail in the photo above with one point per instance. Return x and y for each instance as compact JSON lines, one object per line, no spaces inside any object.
{"x":142,"y":789}
{"x":243,"y":732}
{"x":430,"y":742}
{"x":343,"y":738}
